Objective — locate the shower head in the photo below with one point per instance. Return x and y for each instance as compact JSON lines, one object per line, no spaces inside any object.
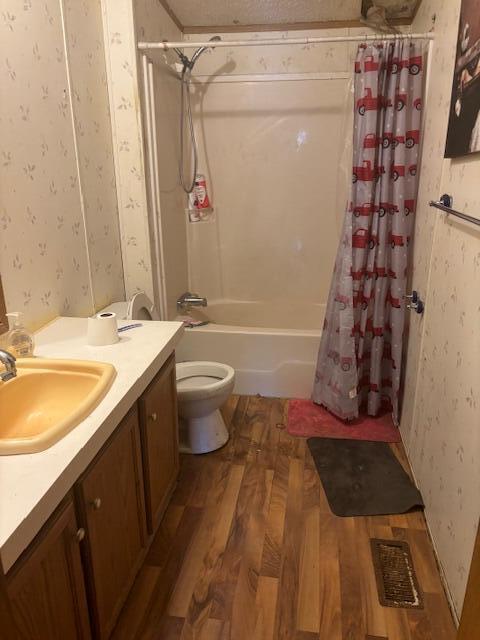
{"x":188,"y":64}
{"x":200,"y":50}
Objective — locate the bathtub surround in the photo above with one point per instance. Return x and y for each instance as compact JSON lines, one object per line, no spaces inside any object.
{"x":211,"y":270}
{"x":441,"y":409}
{"x":360,"y":358}
{"x":257,"y":106}
{"x":265,"y":261}
{"x":266,"y":343}
{"x":57,"y":194}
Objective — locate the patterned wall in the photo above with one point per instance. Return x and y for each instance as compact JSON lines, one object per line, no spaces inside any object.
{"x":441,"y":416}
{"x":123,"y":81}
{"x":43,"y":256}
{"x":127,"y":21}
{"x":86,"y":57}
{"x":152,"y":23}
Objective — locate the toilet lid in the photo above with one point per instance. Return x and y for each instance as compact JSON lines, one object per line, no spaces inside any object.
{"x":141,"y":307}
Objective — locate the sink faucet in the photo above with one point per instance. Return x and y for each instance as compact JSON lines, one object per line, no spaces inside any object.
{"x":190,"y":300}
{"x":8,"y":361}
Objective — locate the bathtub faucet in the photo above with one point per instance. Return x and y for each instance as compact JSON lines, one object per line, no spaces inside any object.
{"x":190,"y":300}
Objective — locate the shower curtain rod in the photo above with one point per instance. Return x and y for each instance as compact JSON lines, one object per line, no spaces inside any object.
{"x":186,"y":44}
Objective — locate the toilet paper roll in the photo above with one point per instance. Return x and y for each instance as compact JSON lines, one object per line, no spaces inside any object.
{"x":102,"y":329}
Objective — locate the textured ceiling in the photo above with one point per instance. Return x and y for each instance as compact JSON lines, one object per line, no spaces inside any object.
{"x":191,"y":13}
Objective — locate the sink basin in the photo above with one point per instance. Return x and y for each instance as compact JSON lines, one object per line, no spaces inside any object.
{"x":47,"y":399}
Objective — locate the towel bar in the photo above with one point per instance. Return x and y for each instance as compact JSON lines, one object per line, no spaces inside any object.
{"x":445,"y":204}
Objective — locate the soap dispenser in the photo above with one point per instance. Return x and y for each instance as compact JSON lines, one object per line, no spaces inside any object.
{"x":18,"y":341}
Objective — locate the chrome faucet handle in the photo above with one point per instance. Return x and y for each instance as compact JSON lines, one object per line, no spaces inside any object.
{"x":8,"y":360}
{"x":416,"y":304}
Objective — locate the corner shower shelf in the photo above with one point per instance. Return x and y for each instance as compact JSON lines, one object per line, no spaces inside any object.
{"x":205,"y":215}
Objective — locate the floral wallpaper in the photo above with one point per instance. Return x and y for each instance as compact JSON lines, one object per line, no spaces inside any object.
{"x":123,"y":80}
{"x":86,"y":59}
{"x":42,"y":259}
{"x":43,"y":254}
{"x":127,"y":21}
{"x":152,"y":23}
{"x":441,"y":413}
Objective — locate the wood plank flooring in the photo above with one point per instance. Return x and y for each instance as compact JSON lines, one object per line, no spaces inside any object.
{"x":249,"y":550}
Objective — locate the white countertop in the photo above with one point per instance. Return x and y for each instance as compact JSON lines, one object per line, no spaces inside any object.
{"x":32,"y":485}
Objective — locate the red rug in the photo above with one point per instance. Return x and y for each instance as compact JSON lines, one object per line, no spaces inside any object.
{"x":306,"y":419}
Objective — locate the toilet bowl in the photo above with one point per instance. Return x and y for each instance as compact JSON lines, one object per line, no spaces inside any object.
{"x":202,"y":388}
{"x":139,"y":307}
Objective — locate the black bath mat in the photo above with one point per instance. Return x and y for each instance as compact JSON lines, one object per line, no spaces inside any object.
{"x":362,"y":478}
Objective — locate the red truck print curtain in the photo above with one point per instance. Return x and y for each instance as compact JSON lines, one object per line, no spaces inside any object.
{"x":360,"y":355}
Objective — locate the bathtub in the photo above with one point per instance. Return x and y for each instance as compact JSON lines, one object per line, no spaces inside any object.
{"x":272,"y":346}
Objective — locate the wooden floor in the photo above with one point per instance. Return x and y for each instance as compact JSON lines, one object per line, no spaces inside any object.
{"x":249,"y":550}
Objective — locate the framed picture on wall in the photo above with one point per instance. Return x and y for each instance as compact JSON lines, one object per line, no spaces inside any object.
{"x":463,"y":135}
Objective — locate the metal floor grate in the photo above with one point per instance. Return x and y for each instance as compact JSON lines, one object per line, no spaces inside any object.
{"x":397,"y":582}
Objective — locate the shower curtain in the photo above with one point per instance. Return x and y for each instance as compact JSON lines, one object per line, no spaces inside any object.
{"x":360,"y":355}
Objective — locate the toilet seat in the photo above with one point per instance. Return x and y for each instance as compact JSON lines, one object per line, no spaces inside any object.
{"x":140,"y":307}
{"x":202,"y":379}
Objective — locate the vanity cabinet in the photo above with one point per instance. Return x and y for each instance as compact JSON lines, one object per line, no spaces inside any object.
{"x":46,"y":587}
{"x":159,"y":433}
{"x":111,"y":507}
{"x":72,"y":581}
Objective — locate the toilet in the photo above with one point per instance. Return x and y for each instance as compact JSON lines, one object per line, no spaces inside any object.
{"x":202,"y":387}
{"x":139,"y":307}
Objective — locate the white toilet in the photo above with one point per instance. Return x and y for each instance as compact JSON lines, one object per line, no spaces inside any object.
{"x":139,"y":307}
{"x":202,"y":388}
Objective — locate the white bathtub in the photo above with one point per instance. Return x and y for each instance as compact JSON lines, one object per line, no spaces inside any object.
{"x":272,"y":346}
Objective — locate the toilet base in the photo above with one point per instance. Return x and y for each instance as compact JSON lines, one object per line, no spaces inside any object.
{"x":201,"y":435}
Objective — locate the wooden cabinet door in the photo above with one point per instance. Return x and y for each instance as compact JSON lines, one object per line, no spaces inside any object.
{"x":45,"y":588}
{"x":159,"y":431}
{"x":111,"y":504}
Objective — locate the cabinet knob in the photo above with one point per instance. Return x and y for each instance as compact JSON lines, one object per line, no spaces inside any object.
{"x":153,"y":417}
{"x":80,"y":534}
{"x":96,"y":503}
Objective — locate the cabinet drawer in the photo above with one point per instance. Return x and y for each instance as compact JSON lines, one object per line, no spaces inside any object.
{"x":111,"y":503}
{"x":159,"y":432}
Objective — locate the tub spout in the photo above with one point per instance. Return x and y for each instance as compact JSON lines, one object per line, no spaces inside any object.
{"x":190,"y":300}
